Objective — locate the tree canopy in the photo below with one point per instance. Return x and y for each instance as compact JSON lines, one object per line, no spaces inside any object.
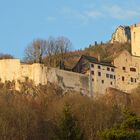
{"x":51,"y":50}
{"x":128,"y":129}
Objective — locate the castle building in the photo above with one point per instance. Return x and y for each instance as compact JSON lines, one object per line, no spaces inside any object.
{"x":122,"y":73}
{"x":90,"y":75}
{"x":127,"y":71}
{"x":101,"y":74}
{"x":128,"y":64}
{"x":135,"y":39}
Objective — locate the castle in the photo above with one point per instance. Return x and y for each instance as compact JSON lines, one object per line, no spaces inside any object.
{"x":122,"y":73}
{"x":89,"y":76}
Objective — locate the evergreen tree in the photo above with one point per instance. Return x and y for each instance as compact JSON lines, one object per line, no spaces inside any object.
{"x":69,"y":129}
{"x":96,"y":43}
{"x":128,"y":129}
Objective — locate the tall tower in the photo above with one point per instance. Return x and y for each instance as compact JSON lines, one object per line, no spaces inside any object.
{"x":135,"y":39}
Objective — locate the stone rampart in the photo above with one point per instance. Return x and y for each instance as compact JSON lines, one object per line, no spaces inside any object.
{"x":69,"y":80}
{"x":13,"y":70}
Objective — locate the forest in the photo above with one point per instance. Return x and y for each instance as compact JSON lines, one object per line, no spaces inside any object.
{"x":46,"y":113}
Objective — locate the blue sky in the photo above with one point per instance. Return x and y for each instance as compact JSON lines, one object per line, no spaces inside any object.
{"x":82,"y":21}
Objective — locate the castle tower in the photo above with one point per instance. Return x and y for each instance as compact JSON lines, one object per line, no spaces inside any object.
{"x":135,"y":39}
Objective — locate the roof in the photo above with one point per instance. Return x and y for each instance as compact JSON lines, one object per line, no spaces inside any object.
{"x":95,"y":61}
{"x":89,"y":58}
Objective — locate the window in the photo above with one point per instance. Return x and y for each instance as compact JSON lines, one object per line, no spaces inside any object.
{"x":111,"y":83}
{"x":92,"y":72}
{"x":114,"y":77}
{"x":99,"y":67}
{"x":102,"y":81}
{"x":133,"y":69}
{"x":108,"y":69}
{"x":112,"y":69}
{"x":107,"y":75}
{"x":92,"y":80}
{"x":123,"y":78}
{"x":99,"y":73}
{"x":131,"y":79}
{"x":111,"y":76}
{"x":123,"y":68}
{"x":92,"y":65}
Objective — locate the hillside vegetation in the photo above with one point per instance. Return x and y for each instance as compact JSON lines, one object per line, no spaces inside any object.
{"x":56,"y":52}
{"x":106,"y":52}
{"x":44,"y":113}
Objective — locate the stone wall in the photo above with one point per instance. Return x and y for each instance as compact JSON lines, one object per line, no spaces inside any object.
{"x":135,"y":39}
{"x":102,"y":82}
{"x":35,"y":72}
{"x":69,"y":80}
{"x":124,"y":62}
{"x":9,"y":69}
{"x":12,"y":69}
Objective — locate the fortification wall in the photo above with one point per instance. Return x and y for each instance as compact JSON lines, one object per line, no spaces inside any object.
{"x":35,"y":72}
{"x":69,"y":80}
{"x":9,"y":69}
{"x":12,"y":69}
{"x":26,"y":71}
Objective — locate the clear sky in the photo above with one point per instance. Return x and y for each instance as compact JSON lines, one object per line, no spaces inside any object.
{"x":82,"y":21}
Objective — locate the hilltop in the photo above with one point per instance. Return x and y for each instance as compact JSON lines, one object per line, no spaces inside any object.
{"x":120,"y":40}
{"x":106,"y":52}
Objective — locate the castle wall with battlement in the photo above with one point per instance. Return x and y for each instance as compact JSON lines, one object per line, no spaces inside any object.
{"x":13,"y":70}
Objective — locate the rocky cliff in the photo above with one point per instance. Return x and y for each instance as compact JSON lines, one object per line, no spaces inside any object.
{"x":121,"y":35}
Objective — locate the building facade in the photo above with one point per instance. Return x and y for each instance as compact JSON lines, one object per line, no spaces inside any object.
{"x":101,"y":74}
{"x":127,"y":71}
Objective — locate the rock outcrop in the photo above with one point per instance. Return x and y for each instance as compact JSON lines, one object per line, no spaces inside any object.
{"x":121,"y":35}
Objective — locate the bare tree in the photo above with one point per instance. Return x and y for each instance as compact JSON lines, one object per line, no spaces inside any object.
{"x":60,"y":45}
{"x":64,"y":45}
{"x":57,"y":49}
{"x":53,"y":49}
{"x":36,"y":51}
